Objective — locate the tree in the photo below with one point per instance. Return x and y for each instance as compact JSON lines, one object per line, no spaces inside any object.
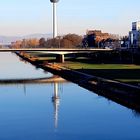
{"x":33,"y":42}
{"x":16,"y":44}
{"x":91,"y":40}
{"x":75,"y":40}
{"x":67,"y":41}
{"x":42,"y":42}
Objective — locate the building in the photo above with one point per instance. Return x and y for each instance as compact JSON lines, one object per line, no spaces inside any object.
{"x":134,"y":35}
{"x":96,"y":38}
{"x":98,"y":34}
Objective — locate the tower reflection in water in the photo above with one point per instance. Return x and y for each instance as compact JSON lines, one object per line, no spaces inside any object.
{"x":56,"y":103}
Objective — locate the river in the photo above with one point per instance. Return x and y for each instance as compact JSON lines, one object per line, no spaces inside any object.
{"x":28,"y":111}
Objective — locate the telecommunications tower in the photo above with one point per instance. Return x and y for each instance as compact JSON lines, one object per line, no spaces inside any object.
{"x":54,"y":18}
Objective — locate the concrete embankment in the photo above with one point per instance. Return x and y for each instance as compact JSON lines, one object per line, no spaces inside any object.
{"x":125,"y":94}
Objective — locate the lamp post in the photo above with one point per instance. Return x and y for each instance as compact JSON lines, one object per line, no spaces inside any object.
{"x":54,"y":18}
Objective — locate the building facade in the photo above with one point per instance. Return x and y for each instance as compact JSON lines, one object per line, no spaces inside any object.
{"x":134,"y":35}
{"x":96,"y":38}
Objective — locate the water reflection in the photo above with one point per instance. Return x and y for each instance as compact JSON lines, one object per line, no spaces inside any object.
{"x":33,"y":112}
{"x":57,"y":90}
{"x":24,"y":89}
{"x":56,"y":103}
{"x":81,"y":113}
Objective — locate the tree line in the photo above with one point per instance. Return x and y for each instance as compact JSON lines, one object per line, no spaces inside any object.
{"x":66,"y":41}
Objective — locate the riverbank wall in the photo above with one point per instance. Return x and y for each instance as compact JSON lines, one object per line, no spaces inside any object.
{"x":125,"y":94}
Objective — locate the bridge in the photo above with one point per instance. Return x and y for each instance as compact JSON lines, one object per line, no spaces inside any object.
{"x":59,"y":51}
{"x":55,"y":50}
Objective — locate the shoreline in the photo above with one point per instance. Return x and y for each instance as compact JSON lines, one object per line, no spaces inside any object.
{"x":124,"y":94}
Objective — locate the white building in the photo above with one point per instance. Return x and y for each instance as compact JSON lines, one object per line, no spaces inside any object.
{"x":134,"y":35}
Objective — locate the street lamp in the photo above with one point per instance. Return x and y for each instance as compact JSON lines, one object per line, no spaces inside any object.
{"x":54,"y":18}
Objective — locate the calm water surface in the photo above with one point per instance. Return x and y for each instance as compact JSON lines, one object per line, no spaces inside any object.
{"x":12,"y":68}
{"x":27,"y":111}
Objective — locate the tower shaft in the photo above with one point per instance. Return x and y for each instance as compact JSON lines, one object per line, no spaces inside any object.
{"x":54,"y":21}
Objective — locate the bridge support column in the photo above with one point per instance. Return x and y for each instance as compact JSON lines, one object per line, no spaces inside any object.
{"x":60,"y":58}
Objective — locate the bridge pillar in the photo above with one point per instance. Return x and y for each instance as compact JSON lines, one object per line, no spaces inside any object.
{"x":60,"y":58}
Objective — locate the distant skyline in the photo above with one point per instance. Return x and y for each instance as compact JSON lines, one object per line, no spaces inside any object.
{"x":20,"y":17}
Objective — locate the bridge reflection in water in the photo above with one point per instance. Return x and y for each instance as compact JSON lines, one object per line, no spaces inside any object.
{"x":52,"y":79}
{"x":56,"y":80}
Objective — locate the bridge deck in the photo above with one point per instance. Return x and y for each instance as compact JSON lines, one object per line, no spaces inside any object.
{"x":53,"y":49}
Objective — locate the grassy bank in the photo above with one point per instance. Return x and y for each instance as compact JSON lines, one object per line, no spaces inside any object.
{"x":78,"y":65}
{"x":128,"y":73}
{"x":121,"y":72}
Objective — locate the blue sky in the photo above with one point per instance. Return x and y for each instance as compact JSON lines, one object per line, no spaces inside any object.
{"x":21,"y":17}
